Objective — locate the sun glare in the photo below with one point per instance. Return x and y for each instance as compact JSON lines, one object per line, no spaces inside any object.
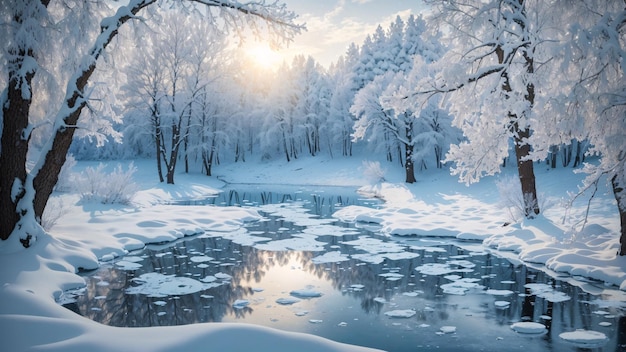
{"x":262,"y":55}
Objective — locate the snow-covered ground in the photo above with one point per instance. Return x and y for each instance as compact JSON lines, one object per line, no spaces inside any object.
{"x":437,"y":205}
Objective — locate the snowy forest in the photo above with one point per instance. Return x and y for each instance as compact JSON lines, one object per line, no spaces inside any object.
{"x":470,"y":87}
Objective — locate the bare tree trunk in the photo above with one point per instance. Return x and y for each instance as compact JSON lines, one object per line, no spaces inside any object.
{"x":14,"y":148}
{"x":408,"y":150}
{"x":620,"y":195}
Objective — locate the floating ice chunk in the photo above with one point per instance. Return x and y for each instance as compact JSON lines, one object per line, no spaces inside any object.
{"x":392,"y":276}
{"x":301,"y":313}
{"x":380,"y":300}
{"x":400,"y":313}
{"x":357,"y":287}
{"x":200,"y":259}
{"x":547,"y":292}
{"x":126,"y":265}
{"x":605,"y":323}
{"x":462,"y":263}
{"x":315,"y":321}
{"x":410,"y":294}
{"x":133,"y":258}
{"x":435,"y":269}
{"x":159,"y":303}
{"x":241,"y":303}
{"x":330,"y":257}
{"x":305,"y":293}
{"x":209,"y":278}
{"x":159,"y":285}
{"x":287,"y":300}
{"x":585,"y":338}
{"x":448,"y":329}
{"x":529,"y":327}
{"x":223,"y":276}
{"x":499,"y":292}
{"x":343,"y":323}
{"x":461,"y":286}
{"x":374,"y":245}
{"x":601,"y":312}
{"x":502,"y":304}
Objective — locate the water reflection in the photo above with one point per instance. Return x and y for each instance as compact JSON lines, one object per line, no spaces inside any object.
{"x":439,"y":284}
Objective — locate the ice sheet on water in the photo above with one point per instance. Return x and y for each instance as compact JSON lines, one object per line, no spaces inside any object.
{"x":375,"y":245}
{"x":330,"y":257}
{"x":461,"y":286}
{"x":547,"y":292}
{"x":304,"y":243}
{"x":306,"y":293}
{"x":392,"y":276}
{"x":159,"y":285}
{"x":529,"y":327}
{"x":447,"y":329}
{"x":502,"y":304}
{"x":287,"y":300}
{"x":400,"y":313}
{"x":240,"y":303}
{"x":499,"y":292}
{"x":435,"y":269}
{"x":585,"y":338}
{"x":127,"y":265}
{"x":200,"y":259}
{"x":329,"y":230}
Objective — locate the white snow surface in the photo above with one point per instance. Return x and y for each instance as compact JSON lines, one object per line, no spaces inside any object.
{"x":436,"y":205}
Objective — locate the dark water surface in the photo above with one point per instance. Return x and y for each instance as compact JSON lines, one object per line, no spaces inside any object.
{"x":388,"y":293}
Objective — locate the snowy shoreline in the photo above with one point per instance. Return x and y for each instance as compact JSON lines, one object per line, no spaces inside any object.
{"x":34,"y":278}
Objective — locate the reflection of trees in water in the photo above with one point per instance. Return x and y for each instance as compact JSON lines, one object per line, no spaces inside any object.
{"x":248,"y":266}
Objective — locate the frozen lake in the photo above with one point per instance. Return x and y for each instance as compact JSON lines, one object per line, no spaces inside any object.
{"x":301,"y":270}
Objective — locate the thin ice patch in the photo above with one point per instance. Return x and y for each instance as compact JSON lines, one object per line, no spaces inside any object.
{"x":435,"y":269}
{"x":400,"y":313}
{"x":547,"y":292}
{"x":159,"y":285}
{"x":306,"y":293}
{"x":330,"y":257}
{"x":585,"y":338}
{"x":528,"y":327}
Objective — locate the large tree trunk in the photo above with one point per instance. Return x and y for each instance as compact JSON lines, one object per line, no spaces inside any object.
{"x":14,"y":144}
{"x":526,"y":173}
{"x":24,"y":204}
{"x":619,"y":192}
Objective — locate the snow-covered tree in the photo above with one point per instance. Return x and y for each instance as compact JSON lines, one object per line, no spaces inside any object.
{"x":390,"y":128}
{"x":29,"y":28}
{"x":488,"y":77}
{"x":589,"y":98}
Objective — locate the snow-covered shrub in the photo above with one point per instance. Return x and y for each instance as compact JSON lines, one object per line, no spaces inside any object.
{"x":511,"y":197}
{"x":116,"y":187}
{"x":55,"y":208}
{"x":512,"y":200}
{"x":373,"y":172}
{"x":66,"y":181}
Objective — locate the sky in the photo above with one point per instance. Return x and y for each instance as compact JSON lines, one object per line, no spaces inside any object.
{"x":333,"y":24}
